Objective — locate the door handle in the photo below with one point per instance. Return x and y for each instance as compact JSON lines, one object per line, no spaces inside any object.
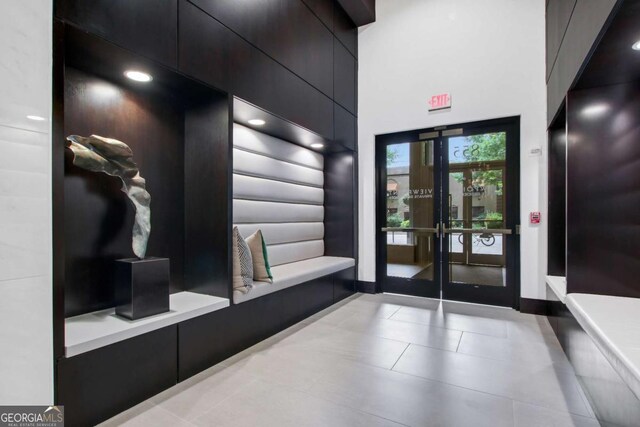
{"x":435,"y":230}
{"x":446,"y":230}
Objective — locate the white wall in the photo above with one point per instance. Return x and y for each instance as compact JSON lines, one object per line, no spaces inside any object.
{"x":26,"y":349}
{"x":490,"y":55}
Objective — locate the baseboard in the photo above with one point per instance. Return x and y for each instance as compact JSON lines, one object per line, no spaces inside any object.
{"x":534,"y":306}
{"x":366,"y":287}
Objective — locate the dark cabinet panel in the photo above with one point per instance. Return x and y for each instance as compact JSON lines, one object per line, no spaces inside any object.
{"x":345,"y":69}
{"x":323,"y":9}
{"x":345,"y":30}
{"x":205,"y":47}
{"x":147,"y":27}
{"x":345,"y":127}
{"x":265,"y":83}
{"x":603,"y":190}
{"x":286,"y":30}
{"x":210,"y":339}
{"x":557,"y":199}
{"x":344,"y":284}
{"x":208,"y":207}
{"x":301,"y":301}
{"x":558,"y":16}
{"x":97,"y":385}
{"x":339,"y":193}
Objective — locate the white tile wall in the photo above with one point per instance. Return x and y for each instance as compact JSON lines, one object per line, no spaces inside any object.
{"x":26,"y":348}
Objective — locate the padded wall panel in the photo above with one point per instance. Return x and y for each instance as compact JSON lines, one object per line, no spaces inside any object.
{"x":253,"y":212}
{"x":297,"y":251}
{"x":273,"y":160}
{"x":257,"y":142}
{"x":252,"y":188}
{"x":253,"y":164}
{"x":285,"y":233}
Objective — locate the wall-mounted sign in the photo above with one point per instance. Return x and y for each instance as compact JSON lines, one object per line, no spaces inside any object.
{"x":534,"y":217}
{"x":440,"y":102}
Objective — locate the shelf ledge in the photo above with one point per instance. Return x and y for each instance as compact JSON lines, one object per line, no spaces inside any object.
{"x":558,"y":285}
{"x":98,"y":329}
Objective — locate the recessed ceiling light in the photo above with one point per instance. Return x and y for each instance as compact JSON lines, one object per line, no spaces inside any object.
{"x":317,"y":145}
{"x":595,"y":110}
{"x":138,"y":76}
{"x":636,"y":45}
{"x":257,"y":122}
{"x":36,"y":118}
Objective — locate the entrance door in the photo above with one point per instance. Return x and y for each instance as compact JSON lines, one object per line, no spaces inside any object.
{"x":447,"y":212}
{"x":410,"y":202}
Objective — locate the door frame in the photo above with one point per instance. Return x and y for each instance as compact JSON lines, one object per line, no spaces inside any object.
{"x":513,"y":220}
{"x":414,"y":287}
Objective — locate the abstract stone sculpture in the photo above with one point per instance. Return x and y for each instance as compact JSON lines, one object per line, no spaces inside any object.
{"x":98,"y":154}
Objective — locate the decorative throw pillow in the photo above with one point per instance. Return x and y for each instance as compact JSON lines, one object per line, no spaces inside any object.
{"x":242,"y":263}
{"x":261,"y":268}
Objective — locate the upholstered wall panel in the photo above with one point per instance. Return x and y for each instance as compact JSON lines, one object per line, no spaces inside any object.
{"x":252,"y":164}
{"x":278,"y":187}
{"x":252,"y":212}
{"x":297,"y":251}
{"x":285,"y":233}
{"x":251,"y":140}
{"x":252,"y":188}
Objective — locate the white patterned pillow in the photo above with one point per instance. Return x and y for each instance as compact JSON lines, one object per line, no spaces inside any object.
{"x":242,"y":264}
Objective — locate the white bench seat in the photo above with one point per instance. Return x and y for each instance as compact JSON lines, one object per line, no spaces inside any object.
{"x":295,"y":273}
{"x":614,"y":325}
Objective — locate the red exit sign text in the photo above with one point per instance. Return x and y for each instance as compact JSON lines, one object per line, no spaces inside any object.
{"x":440,"y":102}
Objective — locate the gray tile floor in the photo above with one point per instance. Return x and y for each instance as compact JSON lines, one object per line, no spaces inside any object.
{"x":385,"y":360}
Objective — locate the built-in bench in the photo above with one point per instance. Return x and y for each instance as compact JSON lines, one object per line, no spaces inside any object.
{"x":278,"y":187}
{"x":601,"y":336}
{"x":614,"y":325}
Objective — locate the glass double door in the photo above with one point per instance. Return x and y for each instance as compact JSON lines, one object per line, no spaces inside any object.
{"x":447,"y":212}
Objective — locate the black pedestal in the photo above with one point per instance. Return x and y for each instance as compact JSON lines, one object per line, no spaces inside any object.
{"x":142,"y":287}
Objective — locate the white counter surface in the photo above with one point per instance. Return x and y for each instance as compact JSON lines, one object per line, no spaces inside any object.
{"x":558,"y":285}
{"x":98,"y":329}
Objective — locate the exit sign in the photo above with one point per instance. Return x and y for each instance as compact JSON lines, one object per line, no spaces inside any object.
{"x":440,"y":102}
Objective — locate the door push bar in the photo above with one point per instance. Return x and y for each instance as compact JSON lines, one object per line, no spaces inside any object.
{"x":435,"y":230}
{"x":446,"y":230}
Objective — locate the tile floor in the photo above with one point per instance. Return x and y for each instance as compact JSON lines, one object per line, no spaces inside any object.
{"x":385,"y":360}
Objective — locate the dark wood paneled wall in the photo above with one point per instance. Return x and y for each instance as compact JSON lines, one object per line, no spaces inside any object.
{"x":147,"y":27}
{"x":362,"y":12}
{"x":340,"y":205}
{"x":557,"y":246}
{"x":289,"y":57}
{"x":573,"y":27}
{"x":293,"y":58}
{"x":603,"y":190}
{"x":206,"y":191}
